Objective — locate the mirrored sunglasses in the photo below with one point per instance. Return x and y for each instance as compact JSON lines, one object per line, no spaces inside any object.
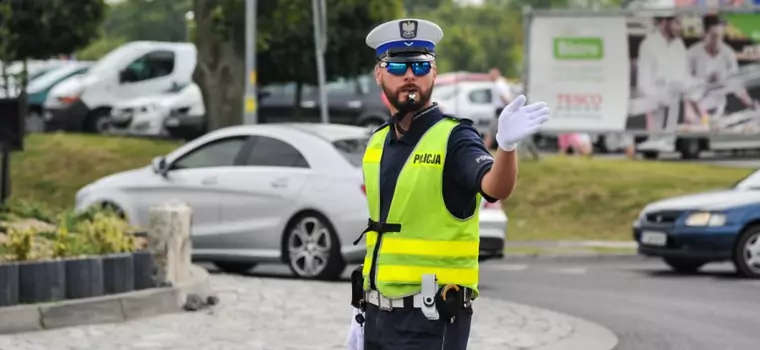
{"x":399,"y":68}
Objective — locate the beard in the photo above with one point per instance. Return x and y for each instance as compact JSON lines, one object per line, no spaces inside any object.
{"x":398,"y":98}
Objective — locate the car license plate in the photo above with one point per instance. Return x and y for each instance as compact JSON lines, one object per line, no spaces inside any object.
{"x":172,"y":122}
{"x":48,"y":116}
{"x":654,"y":238}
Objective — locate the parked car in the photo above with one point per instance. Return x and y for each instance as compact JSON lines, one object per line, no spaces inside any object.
{"x":135,"y":69}
{"x":467,"y":99}
{"x":146,"y":116}
{"x":38,"y":89}
{"x":690,"y":231}
{"x":468,"y":95}
{"x":273,"y":193}
{"x":353,"y":101}
{"x":34,"y":69}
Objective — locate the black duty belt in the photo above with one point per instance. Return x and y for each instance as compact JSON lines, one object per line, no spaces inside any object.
{"x":379,"y":227}
{"x":408,"y":302}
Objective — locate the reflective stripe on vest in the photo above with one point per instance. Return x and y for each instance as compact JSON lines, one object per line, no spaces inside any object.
{"x":431,"y":240}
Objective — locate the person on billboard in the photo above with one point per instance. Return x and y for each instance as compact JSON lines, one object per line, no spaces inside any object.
{"x":662,"y":68}
{"x":713,"y":63}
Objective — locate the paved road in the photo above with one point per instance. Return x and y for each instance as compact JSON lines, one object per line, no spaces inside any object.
{"x":643,"y":303}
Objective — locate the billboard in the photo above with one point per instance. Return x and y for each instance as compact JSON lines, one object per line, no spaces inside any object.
{"x":576,"y":68}
{"x":689,"y":73}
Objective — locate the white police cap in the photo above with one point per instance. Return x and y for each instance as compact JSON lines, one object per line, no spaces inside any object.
{"x":407,"y":39}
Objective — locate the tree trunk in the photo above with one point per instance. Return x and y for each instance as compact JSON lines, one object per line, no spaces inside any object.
{"x":297,"y":102}
{"x":220,"y":71}
{"x":5,"y":78}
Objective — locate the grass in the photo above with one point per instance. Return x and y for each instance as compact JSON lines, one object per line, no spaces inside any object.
{"x":53,"y":167}
{"x":557,"y":198}
{"x":574,"y":198}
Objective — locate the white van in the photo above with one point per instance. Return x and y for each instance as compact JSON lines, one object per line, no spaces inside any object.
{"x":146,"y":116}
{"x":135,"y":69}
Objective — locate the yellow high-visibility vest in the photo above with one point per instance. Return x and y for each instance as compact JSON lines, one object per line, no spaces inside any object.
{"x":430,"y":240}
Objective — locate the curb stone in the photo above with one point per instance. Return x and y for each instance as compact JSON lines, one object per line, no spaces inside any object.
{"x":105,"y":309}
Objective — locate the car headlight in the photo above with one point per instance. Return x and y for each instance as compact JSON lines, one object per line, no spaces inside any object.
{"x":68,"y":99}
{"x":705,"y":219}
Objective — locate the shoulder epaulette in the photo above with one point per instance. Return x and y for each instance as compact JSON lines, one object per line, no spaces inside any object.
{"x":460,"y":120}
{"x":387,"y":123}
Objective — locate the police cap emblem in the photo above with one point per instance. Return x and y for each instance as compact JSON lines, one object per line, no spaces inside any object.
{"x":408,"y":29}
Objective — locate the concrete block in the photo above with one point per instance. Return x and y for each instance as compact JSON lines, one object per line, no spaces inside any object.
{"x":22,"y":318}
{"x":151,"y":303}
{"x":82,"y":312}
{"x":169,"y":240}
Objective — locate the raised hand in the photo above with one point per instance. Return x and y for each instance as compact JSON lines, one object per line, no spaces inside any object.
{"x":517,"y":122}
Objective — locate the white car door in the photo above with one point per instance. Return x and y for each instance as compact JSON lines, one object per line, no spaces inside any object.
{"x":259,"y":196}
{"x":152,"y":73}
{"x":193,"y":178}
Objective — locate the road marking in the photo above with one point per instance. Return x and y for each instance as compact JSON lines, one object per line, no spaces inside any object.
{"x":509,"y":267}
{"x":578,"y":270}
{"x":570,"y":270}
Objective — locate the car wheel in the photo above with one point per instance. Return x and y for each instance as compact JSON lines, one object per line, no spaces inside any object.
{"x":98,"y":122}
{"x":234,"y":267}
{"x":650,"y":154}
{"x":689,"y":148}
{"x":34,"y":122}
{"x":114,"y":209}
{"x":747,"y":253}
{"x":312,"y":248}
{"x":684,"y":265}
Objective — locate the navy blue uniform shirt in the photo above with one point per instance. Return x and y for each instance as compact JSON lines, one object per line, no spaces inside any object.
{"x":467,"y":161}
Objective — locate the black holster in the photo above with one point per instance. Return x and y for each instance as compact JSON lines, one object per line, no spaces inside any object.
{"x":357,"y":289}
{"x":450,"y":302}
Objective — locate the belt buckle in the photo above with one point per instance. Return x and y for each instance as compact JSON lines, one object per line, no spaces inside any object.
{"x":383,"y":303}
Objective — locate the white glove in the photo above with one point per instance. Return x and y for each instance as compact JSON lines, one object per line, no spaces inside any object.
{"x":517,"y":122}
{"x":355,"y":339}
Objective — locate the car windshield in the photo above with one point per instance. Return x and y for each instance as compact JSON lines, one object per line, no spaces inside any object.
{"x":352,"y":149}
{"x":51,"y":77}
{"x":109,"y":61}
{"x":751,"y":182}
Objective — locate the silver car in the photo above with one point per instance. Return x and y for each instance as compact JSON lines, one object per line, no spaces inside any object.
{"x":272,"y":193}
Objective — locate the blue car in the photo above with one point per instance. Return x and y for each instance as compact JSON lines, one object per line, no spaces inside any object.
{"x":690,"y":231}
{"x":39,"y":87}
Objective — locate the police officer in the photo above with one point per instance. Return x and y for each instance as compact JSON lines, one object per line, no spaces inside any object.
{"x":425,"y":174}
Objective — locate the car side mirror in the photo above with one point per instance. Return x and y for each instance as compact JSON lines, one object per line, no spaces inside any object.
{"x":160,"y":167}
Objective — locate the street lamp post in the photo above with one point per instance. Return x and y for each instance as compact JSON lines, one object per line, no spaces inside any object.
{"x":189,"y":17}
{"x":249,"y":103}
{"x":320,"y":46}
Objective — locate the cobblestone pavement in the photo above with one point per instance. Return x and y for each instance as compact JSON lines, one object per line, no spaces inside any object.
{"x":281,"y":314}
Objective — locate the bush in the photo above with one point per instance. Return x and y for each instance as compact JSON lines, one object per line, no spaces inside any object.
{"x":94,"y":232}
